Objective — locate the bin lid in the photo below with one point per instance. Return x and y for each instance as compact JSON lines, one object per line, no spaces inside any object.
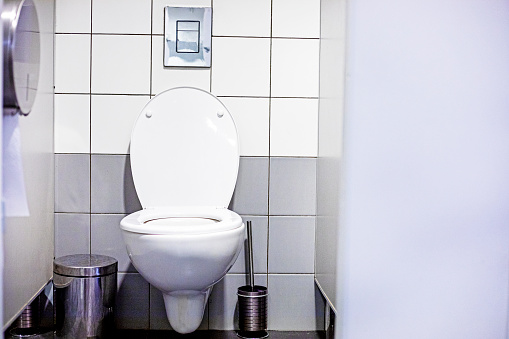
{"x":85,"y":265}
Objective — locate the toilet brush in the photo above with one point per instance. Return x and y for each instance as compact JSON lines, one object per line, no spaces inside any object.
{"x":252,"y":301}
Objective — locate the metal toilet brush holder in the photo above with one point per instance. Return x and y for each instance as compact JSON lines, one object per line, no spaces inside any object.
{"x":252,"y":302}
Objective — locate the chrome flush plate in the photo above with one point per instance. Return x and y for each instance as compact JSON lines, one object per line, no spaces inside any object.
{"x":187,"y":36}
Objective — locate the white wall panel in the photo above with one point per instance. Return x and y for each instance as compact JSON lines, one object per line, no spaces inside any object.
{"x":424,"y":219}
{"x":330,"y":144}
{"x":29,"y":240}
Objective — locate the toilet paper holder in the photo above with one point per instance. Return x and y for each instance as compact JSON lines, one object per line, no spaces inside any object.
{"x":21,"y":56}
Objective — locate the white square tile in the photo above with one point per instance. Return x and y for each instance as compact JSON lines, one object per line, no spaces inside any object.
{"x":223,"y":310}
{"x":158,"y":318}
{"x":295,"y":67}
{"x":72,"y":63}
{"x":72,"y":123}
{"x":295,"y":304}
{"x":132,"y":302}
{"x":158,"y":10}
{"x":294,"y":127}
{"x":260,"y":234}
{"x":291,"y":244}
{"x":121,"y":64}
{"x":251,"y":116}
{"x":121,"y":17}
{"x":292,"y":186}
{"x":72,"y":234}
{"x":113,"y":117}
{"x":251,"y":190}
{"x":241,"y":66}
{"x":72,"y":183}
{"x":73,"y":16}
{"x":242,"y":18}
{"x":296,"y":20}
{"x":164,"y":78}
{"x":106,"y":239}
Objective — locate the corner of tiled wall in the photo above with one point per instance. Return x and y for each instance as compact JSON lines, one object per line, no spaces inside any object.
{"x":108,"y":64}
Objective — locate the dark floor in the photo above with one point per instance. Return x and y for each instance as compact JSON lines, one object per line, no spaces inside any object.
{"x":141,"y":334}
{"x":214,"y":335}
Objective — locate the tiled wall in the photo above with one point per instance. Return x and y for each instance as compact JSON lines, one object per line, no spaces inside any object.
{"x":108,"y":64}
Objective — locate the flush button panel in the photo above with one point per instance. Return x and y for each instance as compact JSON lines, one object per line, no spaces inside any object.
{"x":187,"y":36}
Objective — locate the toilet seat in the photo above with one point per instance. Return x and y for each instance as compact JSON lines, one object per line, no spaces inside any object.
{"x":184,"y":150}
{"x":181,"y":220}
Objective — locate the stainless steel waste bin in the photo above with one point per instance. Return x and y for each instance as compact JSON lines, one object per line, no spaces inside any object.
{"x":84,"y":292}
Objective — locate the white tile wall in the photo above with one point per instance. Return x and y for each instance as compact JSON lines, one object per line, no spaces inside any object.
{"x":242,"y":18}
{"x":73,"y":16}
{"x":131,"y":17}
{"x":296,"y":19}
{"x":264,"y":69}
{"x":291,"y":254}
{"x":251,"y":116}
{"x":72,"y":123}
{"x":72,"y":234}
{"x":72,"y":63}
{"x":113,"y":117}
{"x":295,"y":64}
{"x":107,"y":239}
{"x":293,"y":303}
{"x":121,"y":64}
{"x":294,"y":127}
{"x":241,"y":66}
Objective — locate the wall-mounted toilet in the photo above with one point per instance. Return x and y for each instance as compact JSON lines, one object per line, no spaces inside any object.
{"x":184,"y":161}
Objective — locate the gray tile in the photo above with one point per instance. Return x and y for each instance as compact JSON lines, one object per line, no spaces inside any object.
{"x":106,"y":239}
{"x":223,"y":308}
{"x":72,"y":183}
{"x":260,"y":230}
{"x":72,"y":234}
{"x":158,"y":318}
{"x":295,"y":304}
{"x":251,"y":191}
{"x":112,"y":185}
{"x":291,"y":244}
{"x":132,"y":304}
{"x":292,"y":186}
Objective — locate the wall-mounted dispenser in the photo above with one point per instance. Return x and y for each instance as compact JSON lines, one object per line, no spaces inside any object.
{"x":187,"y":36}
{"x":21,"y":43}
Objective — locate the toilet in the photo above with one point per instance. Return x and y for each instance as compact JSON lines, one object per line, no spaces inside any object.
{"x":184,"y":159}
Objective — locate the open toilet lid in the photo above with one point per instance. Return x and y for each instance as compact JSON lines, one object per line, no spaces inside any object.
{"x":184,"y":150}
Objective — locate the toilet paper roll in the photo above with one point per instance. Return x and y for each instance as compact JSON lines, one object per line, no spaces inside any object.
{"x":14,"y":193}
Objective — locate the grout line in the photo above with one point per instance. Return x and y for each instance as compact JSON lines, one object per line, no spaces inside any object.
{"x":207,"y":306}
{"x":242,"y":157}
{"x":90,"y":129}
{"x":263,"y":37}
{"x":264,"y":97}
{"x":219,"y":96}
{"x":225,"y":36}
{"x":108,"y":34}
{"x":269,"y":161}
{"x":241,"y":36}
{"x":151,"y":89}
{"x":212,"y":47}
{"x":113,"y":94}
{"x":241,"y":214}
{"x":151,"y":42}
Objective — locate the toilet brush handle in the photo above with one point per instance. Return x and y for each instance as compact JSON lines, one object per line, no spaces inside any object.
{"x":250,"y":254}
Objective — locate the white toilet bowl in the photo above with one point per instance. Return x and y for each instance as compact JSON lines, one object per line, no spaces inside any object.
{"x":184,"y":160}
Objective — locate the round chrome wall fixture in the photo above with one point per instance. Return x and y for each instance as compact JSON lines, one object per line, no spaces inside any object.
{"x":21,"y":43}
